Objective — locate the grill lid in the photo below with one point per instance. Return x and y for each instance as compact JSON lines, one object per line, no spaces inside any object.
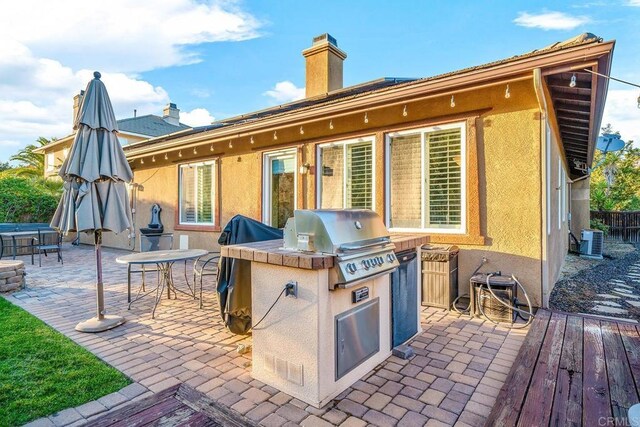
{"x":334,"y":230}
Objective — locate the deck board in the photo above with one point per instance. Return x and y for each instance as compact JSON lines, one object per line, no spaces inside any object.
{"x":621,"y":384}
{"x":572,"y":370}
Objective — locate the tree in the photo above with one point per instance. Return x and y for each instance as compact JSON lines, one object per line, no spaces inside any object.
{"x":615,"y":179}
{"x":30,"y":162}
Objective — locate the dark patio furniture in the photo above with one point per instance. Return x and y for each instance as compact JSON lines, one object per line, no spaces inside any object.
{"x":44,"y":242}
{"x":14,"y":234}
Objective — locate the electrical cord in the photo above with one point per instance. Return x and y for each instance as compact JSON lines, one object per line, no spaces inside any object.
{"x":269,"y":310}
{"x":509,"y":306}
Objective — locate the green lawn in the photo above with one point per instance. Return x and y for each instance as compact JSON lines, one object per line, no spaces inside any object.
{"x":43,"y":372}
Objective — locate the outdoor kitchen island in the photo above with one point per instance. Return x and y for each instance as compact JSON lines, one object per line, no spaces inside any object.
{"x":317,"y":344}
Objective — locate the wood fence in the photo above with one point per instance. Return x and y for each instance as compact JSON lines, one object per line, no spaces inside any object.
{"x":623,"y":226}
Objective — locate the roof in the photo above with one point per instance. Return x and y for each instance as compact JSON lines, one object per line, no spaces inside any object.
{"x":150,"y":125}
{"x":364,"y":89}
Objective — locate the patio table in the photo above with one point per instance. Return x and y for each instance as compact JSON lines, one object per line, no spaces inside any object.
{"x":15,"y":235}
{"x":164,"y":261}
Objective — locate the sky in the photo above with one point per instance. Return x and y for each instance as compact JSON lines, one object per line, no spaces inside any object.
{"x":220,"y":58}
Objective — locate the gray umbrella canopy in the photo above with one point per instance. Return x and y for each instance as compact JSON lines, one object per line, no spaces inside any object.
{"x":96,"y":170}
{"x":95,"y":196}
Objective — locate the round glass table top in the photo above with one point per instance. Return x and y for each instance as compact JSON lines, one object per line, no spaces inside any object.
{"x":156,"y":257}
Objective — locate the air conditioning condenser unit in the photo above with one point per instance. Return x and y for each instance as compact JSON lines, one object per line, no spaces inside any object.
{"x":591,"y":244}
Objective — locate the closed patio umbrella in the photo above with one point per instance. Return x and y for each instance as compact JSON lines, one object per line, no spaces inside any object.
{"x":95,"y":197}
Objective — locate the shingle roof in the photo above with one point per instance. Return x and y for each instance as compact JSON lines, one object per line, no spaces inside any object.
{"x":150,"y":125}
{"x":363,"y":89}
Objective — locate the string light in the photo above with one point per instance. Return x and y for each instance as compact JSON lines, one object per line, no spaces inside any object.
{"x":301,"y":130}
{"x":230,"y":144}
{"x":180,"y":153}
{"x":507,"y":93}
{"x":404,"y":111}
{"x":211,"y":147}
{"x":573,"y":82}
{"x":195,"y":150}
{"x":166,"y":156}
{"x":142,"y":161}
{"x":331,"y":123}
{"x":366,"y":118}
{"x":453,"y":102}
{"x":275,"y":135}
{"x":153,"y":159}
{"x":251,"y":140}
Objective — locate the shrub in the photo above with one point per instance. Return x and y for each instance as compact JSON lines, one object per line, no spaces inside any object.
{"x":27,"y":199}
{"x":598,"y":224}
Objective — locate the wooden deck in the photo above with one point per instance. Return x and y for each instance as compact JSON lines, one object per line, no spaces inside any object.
{"x":571,"y":370}
{"x":179,"y":405}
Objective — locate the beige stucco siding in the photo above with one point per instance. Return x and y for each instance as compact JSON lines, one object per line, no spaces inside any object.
{"x":509,"y":170}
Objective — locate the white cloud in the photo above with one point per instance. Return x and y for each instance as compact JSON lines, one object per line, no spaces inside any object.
{"x":622,"y":112}
{"x":550,"y":20}
{"x":635,"y":3}
{"x":196,"y":117}
{"x":285,"y":91}
{"x":121,"y":35}
{"x":50,"y":49}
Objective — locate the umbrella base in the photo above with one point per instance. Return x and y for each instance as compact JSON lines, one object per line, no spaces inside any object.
{"x":100,"y":325}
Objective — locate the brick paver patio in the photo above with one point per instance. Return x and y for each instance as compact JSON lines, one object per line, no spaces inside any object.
{"x":459,"y":367}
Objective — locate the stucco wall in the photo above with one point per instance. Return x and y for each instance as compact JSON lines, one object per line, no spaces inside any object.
{"x":507,"y":140}
{"x":557,"y":240}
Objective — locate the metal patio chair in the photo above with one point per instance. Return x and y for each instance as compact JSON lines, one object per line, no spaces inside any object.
{"x":205,"y":266}
{"x":155,"y":242}
{"x":46,"y":242}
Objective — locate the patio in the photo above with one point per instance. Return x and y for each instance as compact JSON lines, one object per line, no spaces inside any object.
{"x":459,"y":367}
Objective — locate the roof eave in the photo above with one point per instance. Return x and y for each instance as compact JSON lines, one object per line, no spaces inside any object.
{"x":521,"y":67}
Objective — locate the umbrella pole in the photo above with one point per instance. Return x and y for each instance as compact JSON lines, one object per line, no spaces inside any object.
{"x":101,"y":322}
{"x":98,"y":243}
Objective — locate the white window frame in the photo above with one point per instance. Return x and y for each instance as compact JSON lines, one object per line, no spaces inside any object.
{"x":345,"y":143}
{"x":564,"y":194}
{"x":548,"y":174}
{"x":266,"y":180}
{"x":214,"y":192}
{"x":463,"y":178}
{"x":560,"y":170}
{"x":51,"y":159}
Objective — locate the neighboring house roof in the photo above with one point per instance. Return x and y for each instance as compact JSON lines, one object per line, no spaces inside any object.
{"x":362,"y":90}
{"x":150,"y":125}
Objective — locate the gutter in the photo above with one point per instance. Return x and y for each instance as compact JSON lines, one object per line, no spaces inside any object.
{"x":544,"y":261}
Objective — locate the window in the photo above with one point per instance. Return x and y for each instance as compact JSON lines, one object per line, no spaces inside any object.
{"x":426,"y":179}
{"x":279,"y":187}
{"x":50,"y":162}
{"x":197,"y":193}
{"x":346,"y":174}
{"x":65,"y":153}
{"x":560,"y":193}
{"x":547,"y":147}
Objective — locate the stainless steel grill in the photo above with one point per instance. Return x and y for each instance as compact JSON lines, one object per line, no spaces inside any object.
{"x":356,"y":237}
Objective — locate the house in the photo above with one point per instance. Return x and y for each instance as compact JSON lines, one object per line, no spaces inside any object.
{"x":492,"y":158}
{"x":132,"y":129}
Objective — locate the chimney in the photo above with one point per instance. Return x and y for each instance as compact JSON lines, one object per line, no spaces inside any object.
{"x":171,"y":114}
{"x":77,"y":100}
{"x":324,"y":65}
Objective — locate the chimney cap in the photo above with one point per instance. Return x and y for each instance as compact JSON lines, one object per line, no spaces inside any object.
{"x":326,"y":37}
{"x":172,"y":105}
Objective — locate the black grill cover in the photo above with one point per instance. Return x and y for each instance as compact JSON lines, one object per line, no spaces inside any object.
{"x":234,"y":281}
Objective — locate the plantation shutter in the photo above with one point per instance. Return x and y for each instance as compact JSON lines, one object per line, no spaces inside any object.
{"x":444,"y":180}
{"x":187,"y":194}
{"x":205,"y":199}
{"x":406,"y":181}
{"x":359,"y":190}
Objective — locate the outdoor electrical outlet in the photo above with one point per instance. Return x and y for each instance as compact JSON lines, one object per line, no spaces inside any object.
{"x":291,"y":289}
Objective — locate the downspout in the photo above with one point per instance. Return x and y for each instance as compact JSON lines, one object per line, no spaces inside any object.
{"x":544,"y":262}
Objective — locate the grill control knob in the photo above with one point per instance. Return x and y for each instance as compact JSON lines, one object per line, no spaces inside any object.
{"x":391,"y":257}
{"x":380,"y":260}
{"x":351,"y":268}
{"x":366,"y":264}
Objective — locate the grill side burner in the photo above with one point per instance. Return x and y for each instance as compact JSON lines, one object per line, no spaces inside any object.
{"x":356,"y":237}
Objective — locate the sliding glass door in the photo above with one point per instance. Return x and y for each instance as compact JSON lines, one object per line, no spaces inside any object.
{"x":280,"y":184}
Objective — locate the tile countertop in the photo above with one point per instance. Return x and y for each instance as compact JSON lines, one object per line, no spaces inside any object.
{"x":271,"y":252}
